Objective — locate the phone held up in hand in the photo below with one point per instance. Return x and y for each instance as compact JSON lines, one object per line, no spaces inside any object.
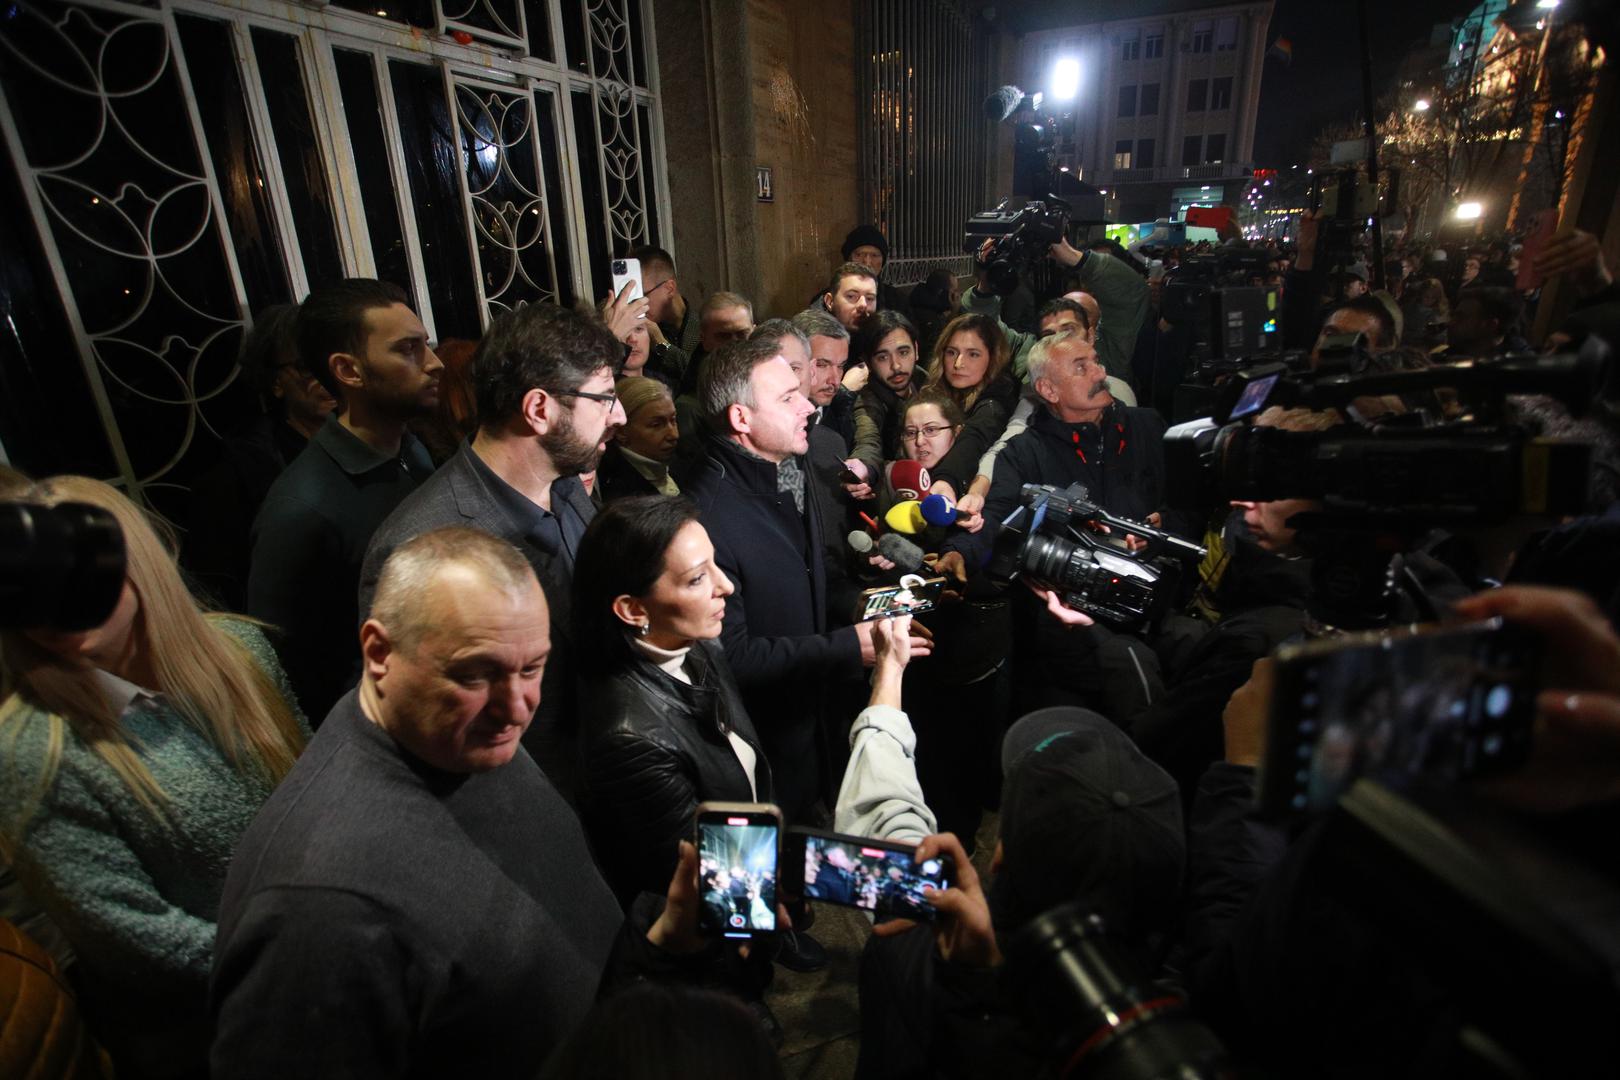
{"x":627,"y":272}
{"x":879,"y":876}
{"x":739,"y":845}
{"x":1446,"y":703}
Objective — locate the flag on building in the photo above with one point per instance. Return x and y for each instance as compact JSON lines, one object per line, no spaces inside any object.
{"x":1282,"y":49}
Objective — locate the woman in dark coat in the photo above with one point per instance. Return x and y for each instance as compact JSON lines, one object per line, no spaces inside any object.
{"x":663,"y":727}
{"x":973,"y":367}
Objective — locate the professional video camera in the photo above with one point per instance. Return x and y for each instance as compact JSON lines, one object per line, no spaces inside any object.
{"x":1020,"y":232}
{"x":1105,"y":1017}
{"x":61,"y":567}
{"x":1060,"y":540}
{"x":1381,"y":485}
{"x":1347,"y":203}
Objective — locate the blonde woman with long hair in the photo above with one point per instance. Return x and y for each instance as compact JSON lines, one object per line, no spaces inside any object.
{"x":132,"y":757}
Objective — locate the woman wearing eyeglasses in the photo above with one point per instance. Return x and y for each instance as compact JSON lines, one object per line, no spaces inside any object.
{"x":957,"y":700}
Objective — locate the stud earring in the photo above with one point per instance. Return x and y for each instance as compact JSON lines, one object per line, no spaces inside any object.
{"x":644,"y":629}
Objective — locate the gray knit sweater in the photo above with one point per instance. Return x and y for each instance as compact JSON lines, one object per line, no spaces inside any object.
{"x":137,"y":899}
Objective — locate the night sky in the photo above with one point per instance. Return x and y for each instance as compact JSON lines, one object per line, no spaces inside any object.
{"x":1324,"y":81}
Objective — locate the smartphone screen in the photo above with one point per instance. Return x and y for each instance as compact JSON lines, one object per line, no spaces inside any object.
{"x":737,"y":869}
{"x":912,"y":596}
{"x":873,"y":875}
{"x":1446,"y":703}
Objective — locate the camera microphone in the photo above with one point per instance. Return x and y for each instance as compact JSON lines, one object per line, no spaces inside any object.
{"x":906,"y":556}
{"x":906,"y":517}
{"x":908,"y":479}
{"x":1002,"y":103}
{"x":938,"y":510}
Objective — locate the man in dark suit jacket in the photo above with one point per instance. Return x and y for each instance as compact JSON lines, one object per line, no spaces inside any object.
{"x":543,"y":377}
{"x":761,"y":513}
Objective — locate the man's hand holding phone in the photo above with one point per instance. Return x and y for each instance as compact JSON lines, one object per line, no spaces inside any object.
{"x":962,"y":930}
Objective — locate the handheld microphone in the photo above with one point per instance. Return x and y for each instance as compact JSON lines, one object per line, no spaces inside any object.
{"x":862,"y":541}
{"x":906,"y":556}
{"x":906,"y":517}
{"x":938,"y":510}
{"x":908,"y":479}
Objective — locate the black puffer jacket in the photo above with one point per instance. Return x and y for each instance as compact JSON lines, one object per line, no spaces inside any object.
{"x":985,"y":423}
{"x":653,"y":749}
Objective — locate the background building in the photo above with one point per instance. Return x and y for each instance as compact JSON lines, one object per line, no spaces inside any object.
{"x":1164,"y":110}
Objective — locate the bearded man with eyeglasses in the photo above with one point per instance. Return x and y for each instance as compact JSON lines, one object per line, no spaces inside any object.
{"x":543,"y":380}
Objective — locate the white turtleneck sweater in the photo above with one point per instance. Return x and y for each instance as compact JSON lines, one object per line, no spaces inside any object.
{"x":673,"y":664}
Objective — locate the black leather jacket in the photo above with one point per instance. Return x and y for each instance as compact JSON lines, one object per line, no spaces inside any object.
{"x":653,"y":749}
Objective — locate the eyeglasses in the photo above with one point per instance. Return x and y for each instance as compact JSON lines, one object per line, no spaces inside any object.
{"x":609,"y":399}
{"x":928,"y":430}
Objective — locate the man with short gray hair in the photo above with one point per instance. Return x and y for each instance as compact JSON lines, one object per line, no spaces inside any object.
{"x":416,"y":899}
{"x":829,"y":352}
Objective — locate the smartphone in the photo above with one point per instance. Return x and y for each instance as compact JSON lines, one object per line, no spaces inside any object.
{"x":1447,"y":702}
{"x":879,"y":876}
{"x":627,"y":272}
{"x":739,"y":846}
{"x":913,"y":596}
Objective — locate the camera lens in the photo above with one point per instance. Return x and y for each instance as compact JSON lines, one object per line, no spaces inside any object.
{"x":1107,"y":1018}
{"x":1060,"y":563}
{"x":61,"y":567}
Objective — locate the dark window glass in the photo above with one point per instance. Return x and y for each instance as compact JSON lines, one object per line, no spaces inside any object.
{"x":486,"y":19}
{"x":637,"y":57}
{"x":432,"y":162}
{"x":1215,"y":149}
{"x":573,"y":16}
{"x":358,"y":81}
{"x":1189,"y":150}
{"x":1153,"y":46}
{"x":418,"y":13}
{"x":1150,"y":99}
{"x":1220,"y":93}
{"x":217,"y":87}
{"x":538,"y":15}
{"x":1201,"y":36}
{"x":1127,"y":101}
{"x":301,"y":167}
{"x":1144,"y":153}
{"x":1133,"y":48}
{"x":551,"y":153}
{"x":1197,"y":92}
{"x":48,"y":422}
{"x":648,"y":179}
{"x":590,"y":184}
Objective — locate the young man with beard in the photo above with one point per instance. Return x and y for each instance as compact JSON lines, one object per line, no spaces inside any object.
{"x":362,"y":342}
{"x":543,"y":378}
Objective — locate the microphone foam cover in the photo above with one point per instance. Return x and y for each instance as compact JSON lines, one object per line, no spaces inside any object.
{"x":908,"y":479}
{"x":861,"y":541}
{"x":938,"y":510}
{"x":906,"y":517}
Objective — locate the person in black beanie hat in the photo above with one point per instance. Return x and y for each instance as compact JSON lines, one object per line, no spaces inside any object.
{"x":867,"y":246}
{"x":1085,"y":818}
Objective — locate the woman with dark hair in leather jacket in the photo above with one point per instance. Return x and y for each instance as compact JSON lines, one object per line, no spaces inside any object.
{"x":663,"y":727}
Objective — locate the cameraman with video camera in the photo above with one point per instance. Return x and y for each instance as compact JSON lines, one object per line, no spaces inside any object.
{"x":1078,"y":434}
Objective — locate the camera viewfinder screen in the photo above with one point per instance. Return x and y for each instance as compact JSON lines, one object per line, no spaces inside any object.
{"x":875,"y":879}
{"x":1254,"y":396}
{"x":737,"y":875}
{"x":1447,"y":704}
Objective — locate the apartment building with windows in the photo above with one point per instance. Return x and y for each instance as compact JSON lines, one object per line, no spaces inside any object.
{"x":1165,"y":111}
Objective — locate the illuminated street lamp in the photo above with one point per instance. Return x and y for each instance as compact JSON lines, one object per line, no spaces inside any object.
{"x":1421,"y":105}
{"x":1065,"y":79}
{"x":1469,"y":211}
